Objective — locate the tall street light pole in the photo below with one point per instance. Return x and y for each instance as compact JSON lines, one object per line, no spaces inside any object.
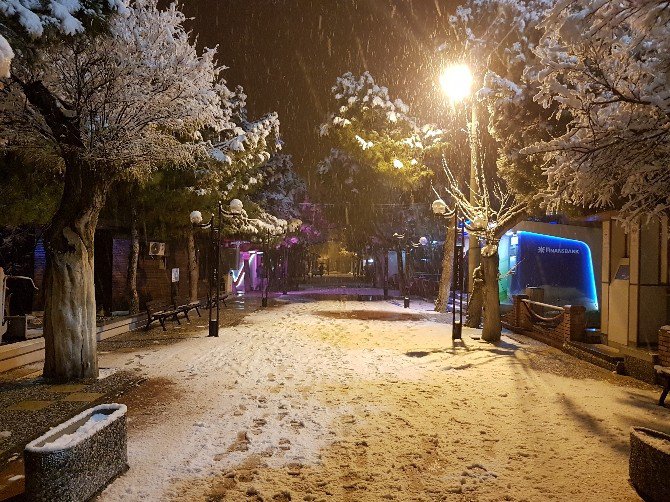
{"x":457,"y":82}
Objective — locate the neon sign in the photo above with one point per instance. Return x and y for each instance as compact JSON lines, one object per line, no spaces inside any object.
{"x":562,"y":267}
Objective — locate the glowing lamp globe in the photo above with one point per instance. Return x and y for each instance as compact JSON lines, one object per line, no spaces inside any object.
{"x":196,"y":217}
{"x":456,"y":82}
{"x":423,"y":241}
{"x":479,"y":223}
{"x":439,"y":206}
{"x":294,"y":225}
{"x":236,"y":206}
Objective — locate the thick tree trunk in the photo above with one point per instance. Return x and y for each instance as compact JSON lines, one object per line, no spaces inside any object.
{"x":134,"y":258}
{"x":193,"y":272}
{"x":69,"y":313}
{"x":492,"y":325}
{"x":444,"y":287}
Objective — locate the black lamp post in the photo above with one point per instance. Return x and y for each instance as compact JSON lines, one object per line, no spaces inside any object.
{"x":292,"y":226}
{"x":215,"y":266}
{"x":440,"y":209}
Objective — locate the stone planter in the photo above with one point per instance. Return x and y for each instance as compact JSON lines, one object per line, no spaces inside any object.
{"x":77,"y":459}
{"x":649,"y":465}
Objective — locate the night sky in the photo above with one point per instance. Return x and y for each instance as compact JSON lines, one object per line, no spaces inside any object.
{"x":287,"y":53}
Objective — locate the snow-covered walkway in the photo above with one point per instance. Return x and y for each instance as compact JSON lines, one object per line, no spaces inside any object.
{"x":368,"y":401}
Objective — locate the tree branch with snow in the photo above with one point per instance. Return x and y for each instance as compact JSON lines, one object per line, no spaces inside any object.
{"x":606,"y":69}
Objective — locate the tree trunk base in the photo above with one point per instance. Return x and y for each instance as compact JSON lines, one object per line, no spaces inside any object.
{"x":69,"y":314}
{"x":444,"y":287}
{"x":492,"y":324}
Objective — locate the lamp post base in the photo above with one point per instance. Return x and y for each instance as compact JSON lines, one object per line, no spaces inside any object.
{"x":457,"y":329}
{"x":264,"y":302}
{"x":407,"y":302}
{"x":213,"y":328}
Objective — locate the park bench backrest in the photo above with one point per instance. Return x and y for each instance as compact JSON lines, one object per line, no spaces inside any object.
{"x":181,"y":301}
{"x":158,"y":305}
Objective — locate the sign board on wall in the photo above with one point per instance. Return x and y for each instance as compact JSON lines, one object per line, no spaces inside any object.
{"x":175,"y":275}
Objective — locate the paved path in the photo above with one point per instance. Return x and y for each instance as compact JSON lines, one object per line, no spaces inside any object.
{"x":29,"y":406}
{"x":358,"y":401}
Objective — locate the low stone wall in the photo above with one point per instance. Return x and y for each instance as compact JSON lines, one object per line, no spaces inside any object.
{"x":572,"y":326}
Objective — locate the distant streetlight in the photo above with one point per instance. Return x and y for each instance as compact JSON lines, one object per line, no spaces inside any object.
{"x":456,"y":82}
{"x":196,"y":217}
{"x":423,"y":241}
{"x":292,"y":226}
{"x":439,"y":206}
{"x":236,"y":206}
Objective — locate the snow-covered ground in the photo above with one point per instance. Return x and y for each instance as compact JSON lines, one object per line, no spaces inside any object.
{"x":368,"y":401}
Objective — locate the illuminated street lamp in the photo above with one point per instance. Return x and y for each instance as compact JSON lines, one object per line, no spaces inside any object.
{"x":457,"y":82}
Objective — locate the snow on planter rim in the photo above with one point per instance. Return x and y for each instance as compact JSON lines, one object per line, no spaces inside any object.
{"x":47,"y":445}
{"x":655,"y":439}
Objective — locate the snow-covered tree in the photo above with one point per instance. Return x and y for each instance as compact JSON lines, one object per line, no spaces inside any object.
{"x":281,"y":188}
{"x":237,"y":166}
{"x":22,"y":22}
{"x":111,"y":105}
{"x":497,"y":39}
{"x":500,"y":37}
{"x":379,"y":132}
{"x":606,"y":68}
{"x":381,"y":156}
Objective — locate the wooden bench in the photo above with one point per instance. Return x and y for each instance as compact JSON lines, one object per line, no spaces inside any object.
{"x":222,"y":298}
{"x":184,"y":306}
{"x":159,"y":310}
{"x":664,"y":374}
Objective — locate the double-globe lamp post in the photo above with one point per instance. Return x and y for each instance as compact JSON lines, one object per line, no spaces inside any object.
{"x":235,"y":209}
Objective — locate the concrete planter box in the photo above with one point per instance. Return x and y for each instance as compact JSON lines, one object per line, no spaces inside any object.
{"x":76,"y":460}
{"x":649,"y":465}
